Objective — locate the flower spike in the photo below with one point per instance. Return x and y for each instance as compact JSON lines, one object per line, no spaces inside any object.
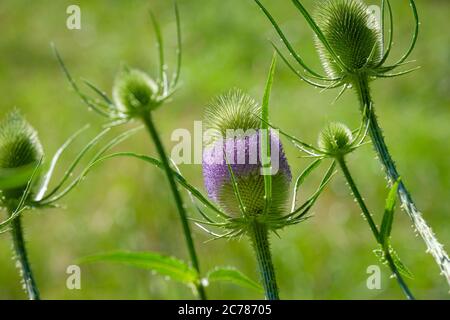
{"x":302,"y":77}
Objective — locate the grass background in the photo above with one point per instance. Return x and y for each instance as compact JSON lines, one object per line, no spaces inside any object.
{"x":127,"y":205}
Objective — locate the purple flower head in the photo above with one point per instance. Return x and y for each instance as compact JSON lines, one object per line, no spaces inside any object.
{"x":242,"y":151}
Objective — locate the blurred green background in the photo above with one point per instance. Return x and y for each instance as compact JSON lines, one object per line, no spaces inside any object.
{"x":126,"y":204}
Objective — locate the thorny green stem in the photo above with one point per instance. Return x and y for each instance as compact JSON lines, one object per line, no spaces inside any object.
{"x":373,"y":227}
{"x":259,"y":236}
{"x":436,"y":249}
{"x":148,"y":121}
{"x":23,"y":264}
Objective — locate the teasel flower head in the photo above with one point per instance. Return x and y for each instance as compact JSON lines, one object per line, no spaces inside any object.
{"x":19,"y":148}
{"x":241,"y":153}
{"x":350,"y":40}
{"x":246,"y":173}
{"x":353,"y":34}
{"x":336,"y":139}
{"x":134,"y":92}
{"x":233,"y":171}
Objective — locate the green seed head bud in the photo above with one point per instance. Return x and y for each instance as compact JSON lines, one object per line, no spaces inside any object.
{"x":353,"y":34}
{"x":336,"y":139}
{"x":134,"y":92}
{"x":234,"y":110}
{"x":19,"y":146}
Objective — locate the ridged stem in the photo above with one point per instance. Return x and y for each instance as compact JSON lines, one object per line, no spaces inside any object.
{"x":373,"y":227}
{"x":21,"y":256}
{"x":148,"y":121}
{"x":259,"y":236}
{"x":433,"y":246}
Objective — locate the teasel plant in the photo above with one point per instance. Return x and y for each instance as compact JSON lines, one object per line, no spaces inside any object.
{"x":251,"y":198}
{"x":354,"y":51}
{"x":136,"y":96}
{"x":336,"y":142}
{"x":25,"y":181}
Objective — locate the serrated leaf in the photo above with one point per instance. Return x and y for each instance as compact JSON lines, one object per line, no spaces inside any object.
{"x":234,"y":276}
{"x":388,"y":217}
{"x":399,"y":265}
{"x":173,"y":268}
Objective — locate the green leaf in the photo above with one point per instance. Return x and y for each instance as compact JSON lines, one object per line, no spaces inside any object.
{"x":173,"y":268}
{"x":402,"y":268}
{"x":71,"y":169}
{"x":388,"y":217}
{"x":266,"y":159}
{"x":160,"y":47}
{"x":234,"y":276}
{"x":266,"y":98}
{"x":176,"y":75}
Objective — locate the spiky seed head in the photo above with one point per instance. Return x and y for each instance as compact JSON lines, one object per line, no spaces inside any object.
{"x":19,"y":146}
{"x":336,"y":139}
{"x":353,"y":33}
{"x":134,"y":92}
{"x":237,"y":111}
{"x":234,"y":110}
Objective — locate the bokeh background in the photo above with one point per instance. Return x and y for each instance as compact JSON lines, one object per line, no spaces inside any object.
{"x":126,"y":204}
